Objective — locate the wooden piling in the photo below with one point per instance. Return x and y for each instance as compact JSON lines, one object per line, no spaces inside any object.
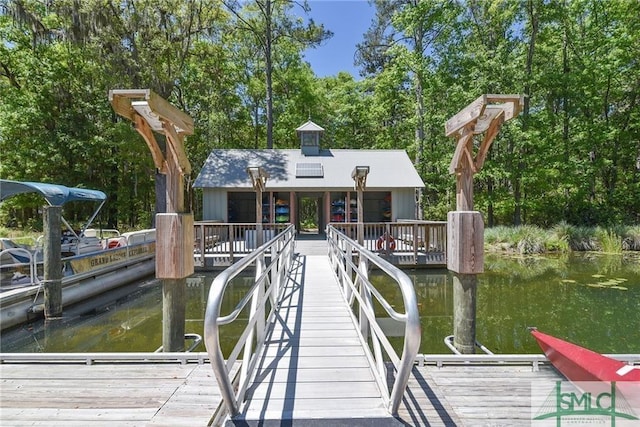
{"x":174,"y":229}
{"x":52,"y":262}
{"x":465,"y":228}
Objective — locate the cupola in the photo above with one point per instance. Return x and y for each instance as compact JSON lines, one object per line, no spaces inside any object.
{"x":309,"y":134}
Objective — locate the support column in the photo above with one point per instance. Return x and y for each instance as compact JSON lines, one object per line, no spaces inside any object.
{"x":52,"y":262}
{"x":465,"y":258}
{"x":259,"y":238}
{"x":174,"y":232}
{"x":174,"y":302}
{"x":465,"y":229}
{"x":464,"y":312}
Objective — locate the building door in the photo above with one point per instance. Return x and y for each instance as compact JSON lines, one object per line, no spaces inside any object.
{"x":310,"y":213}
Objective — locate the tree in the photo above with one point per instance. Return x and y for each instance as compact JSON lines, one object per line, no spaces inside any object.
{"x":403,"y":37}
{"x":270,"y":23}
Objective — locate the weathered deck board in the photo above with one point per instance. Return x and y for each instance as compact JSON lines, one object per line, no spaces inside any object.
{"x":107,"y":394}
{"x":473,"y":395}
{"x":314,"y":367}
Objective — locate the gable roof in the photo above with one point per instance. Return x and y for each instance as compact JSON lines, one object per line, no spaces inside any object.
{"x":309,"y":126}
{"x":388,"y":169}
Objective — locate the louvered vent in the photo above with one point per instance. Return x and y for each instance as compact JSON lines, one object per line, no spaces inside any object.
{"x":309,"y":170}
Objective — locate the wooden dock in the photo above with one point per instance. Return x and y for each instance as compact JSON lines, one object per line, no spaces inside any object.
{"x":173,"y":394}
{"x":313,"y":372}
{"x":107,"y":394}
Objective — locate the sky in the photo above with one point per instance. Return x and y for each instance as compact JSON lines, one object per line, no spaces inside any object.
{"x":349,"y":20}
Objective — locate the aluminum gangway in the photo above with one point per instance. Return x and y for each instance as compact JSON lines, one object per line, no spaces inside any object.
{"x":311,"y":350}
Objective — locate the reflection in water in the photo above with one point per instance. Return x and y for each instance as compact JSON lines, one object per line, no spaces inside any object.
{"x":592,"y":300}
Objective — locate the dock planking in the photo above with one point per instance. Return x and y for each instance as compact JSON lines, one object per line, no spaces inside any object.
{"x":492,"y":394}
{"x":107,"y":394}
{"x":173,"y":394}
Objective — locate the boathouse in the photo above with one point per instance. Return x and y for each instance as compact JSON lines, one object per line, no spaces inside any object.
{"x":311,"y":172}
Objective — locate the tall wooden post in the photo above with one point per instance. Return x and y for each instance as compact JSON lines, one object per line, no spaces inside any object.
{"x":359,"y":176}
{"x":258,"y":178}
{"x":465,"y":228}
{"x":52,"y":262}
{"x":174,"y":228}
{"x":259,"y":239}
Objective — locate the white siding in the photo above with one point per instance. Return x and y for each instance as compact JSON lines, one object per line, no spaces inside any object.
{"x":214,"y":205}
{"x":403,"y":205}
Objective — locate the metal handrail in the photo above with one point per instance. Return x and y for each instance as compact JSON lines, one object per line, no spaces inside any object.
{"x":267,"y":288}
{"x":448,"y":341}
{"x":195,"y":338}
{"x":356,"y":286}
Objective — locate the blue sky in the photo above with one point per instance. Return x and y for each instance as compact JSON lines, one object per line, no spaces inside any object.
{"x":349,"y":20}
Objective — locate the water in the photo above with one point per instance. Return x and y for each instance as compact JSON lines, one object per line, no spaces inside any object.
{"x":592,"y":299}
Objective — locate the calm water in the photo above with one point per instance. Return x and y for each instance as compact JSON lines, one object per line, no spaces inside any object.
{"x":593,"y":300}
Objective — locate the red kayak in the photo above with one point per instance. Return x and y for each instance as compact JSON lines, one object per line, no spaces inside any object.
{"x":580,"y":364}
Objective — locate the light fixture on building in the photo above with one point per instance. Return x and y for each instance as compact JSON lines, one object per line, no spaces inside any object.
{"x":359,"y":175}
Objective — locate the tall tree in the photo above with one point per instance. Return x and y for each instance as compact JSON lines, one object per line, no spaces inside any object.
{"x":404,"y":35}
{"x":270,"y":22}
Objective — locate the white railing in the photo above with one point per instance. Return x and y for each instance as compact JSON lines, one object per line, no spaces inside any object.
{"x":402,"y":242}
{"x":16,"y":263}
{"x":220,"y":244}
{"x":350,"y":262}
{"x":263,"y":295}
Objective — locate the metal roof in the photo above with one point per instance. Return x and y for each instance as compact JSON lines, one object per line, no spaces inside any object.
{"x":388,"y":169}
{"x":309,"y":126}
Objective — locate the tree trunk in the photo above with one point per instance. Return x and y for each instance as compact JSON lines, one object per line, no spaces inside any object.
{"x":268,"y":73}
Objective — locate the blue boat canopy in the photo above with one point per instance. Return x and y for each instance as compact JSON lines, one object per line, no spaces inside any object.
{"x":56,"y":195}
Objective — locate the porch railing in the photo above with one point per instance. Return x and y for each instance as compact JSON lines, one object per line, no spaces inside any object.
{"x":403,"y":242}
{"x":220,"y":244}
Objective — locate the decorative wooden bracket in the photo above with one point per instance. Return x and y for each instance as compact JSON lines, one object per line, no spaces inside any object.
{"x":151,"y":113}
{"x":484,"y":115}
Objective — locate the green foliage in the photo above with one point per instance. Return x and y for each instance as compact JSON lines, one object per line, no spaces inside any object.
{"x":562,"y":237}
{"x":609,"y":241}
{"x":238,"y":69}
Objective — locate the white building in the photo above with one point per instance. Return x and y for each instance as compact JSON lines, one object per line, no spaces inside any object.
{"x":308,"y":173}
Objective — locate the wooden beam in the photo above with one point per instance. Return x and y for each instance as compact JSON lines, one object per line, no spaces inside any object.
{"x":492,"y":132}
{"x":460,"y":148}
{"x":122,"y":106}
{"x":145,"y":131}
{"x":485,"y":120}
{"x":468,"y":154}
{"x":129,"y":94}
{"x":511,"y":104}
{"x":176,"y":143}
{"x":121,"y":101}
{"x":465,"y":116}
{"x":171,"y":114}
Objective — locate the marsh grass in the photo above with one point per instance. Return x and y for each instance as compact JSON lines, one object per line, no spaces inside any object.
{"x":562,"y":238}
{"x":608,"y":241}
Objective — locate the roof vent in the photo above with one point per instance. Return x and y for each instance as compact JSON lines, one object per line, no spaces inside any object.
{"x":309,"y":170}
{"x":309,"y":134}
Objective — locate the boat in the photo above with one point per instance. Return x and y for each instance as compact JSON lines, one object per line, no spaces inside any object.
{"x":94,"y":260}
{"x":580,"y":364}
{"x":586,"y":368}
